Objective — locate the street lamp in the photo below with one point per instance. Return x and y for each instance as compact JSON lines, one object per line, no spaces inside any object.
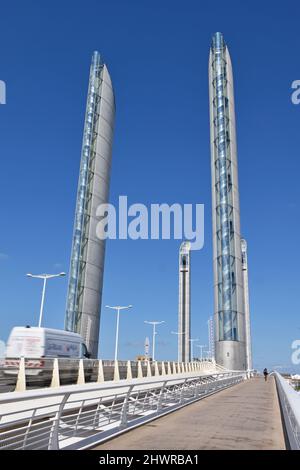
{"x":177,"y":333}
{"x":201,"y":346}
{"x":154,"y":323}
{"x":192,"y":342}
{"x":118,"y":308}
{"x":45,"y":277}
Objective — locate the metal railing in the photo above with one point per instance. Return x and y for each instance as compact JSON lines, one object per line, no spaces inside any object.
{"x":290,"y":406}
{"x":77,"y":417}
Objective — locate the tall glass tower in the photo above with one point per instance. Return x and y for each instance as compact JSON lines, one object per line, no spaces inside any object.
{"x":246,"y":301}
{"x":87,"y":256}
{"x":229,"y":312}
{"x":184,"y":307}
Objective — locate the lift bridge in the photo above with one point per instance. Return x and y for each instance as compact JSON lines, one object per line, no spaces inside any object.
{"x":195,"y":405}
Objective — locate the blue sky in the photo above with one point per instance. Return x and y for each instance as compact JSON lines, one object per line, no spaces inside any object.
{"x":157,"y":54}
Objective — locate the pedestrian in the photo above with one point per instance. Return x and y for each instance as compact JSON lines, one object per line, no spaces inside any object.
{"x":266,"y":373}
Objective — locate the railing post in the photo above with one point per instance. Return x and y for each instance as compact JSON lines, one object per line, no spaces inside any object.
{"x":169,"y":372}
{"x":55,"y":382}
{"x":28,"y":429}
{"x":182,"y":391}
{"x":81,"y":378}
{"x":160,"y":398}
{"x":124,"y":417}
{"x":21,"y":380}
{"x":156,"y":371}
{"x":140,"y":370}
{"x":100,"y":377}
{"x":197,"y":386}
{"x":174,"y":368}
{"x":116,"y":371}
{"x":163,"y":368}
{"x":149,"y":374}
{"x":54,"y":433}
{"x":129,"y":371}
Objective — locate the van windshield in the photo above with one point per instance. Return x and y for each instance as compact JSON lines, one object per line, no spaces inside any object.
{"x":84,"y":351}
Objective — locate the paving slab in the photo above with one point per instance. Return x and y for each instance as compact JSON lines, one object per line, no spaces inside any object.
{"x":245,"y":416}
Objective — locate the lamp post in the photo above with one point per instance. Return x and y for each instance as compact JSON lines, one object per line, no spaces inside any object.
{"x":117,"y":308}
{"x":154,"y":323}
{"x":177,"y":333}
{"x":192,"y":342}
{"x":201,"y":346}
{"x":45,"y":277}
{"x":208,"y":353}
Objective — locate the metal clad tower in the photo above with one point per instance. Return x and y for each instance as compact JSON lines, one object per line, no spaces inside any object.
{"x":87,"y":256}
{"x":184,"y":309}
{"x":230,"y":346}
{"x":211,"y":337}
{"x":246,"y":301}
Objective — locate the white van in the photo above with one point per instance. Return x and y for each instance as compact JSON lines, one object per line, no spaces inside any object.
{"x":36,"y":343}
{"x":39,"y":346}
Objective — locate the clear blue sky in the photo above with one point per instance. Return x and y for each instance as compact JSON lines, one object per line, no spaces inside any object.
{"x":157,"y":54}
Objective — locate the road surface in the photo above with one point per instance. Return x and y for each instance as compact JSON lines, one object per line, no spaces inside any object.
{"x":246,"y":416}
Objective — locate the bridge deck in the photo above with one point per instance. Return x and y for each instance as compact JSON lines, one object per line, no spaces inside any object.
{"x":246,"y":416}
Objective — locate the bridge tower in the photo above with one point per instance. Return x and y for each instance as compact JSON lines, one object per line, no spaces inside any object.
{"x":229,"y":311}
{"x":87,"y":256}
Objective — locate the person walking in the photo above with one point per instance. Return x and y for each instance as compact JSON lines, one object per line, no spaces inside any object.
{"x":266,"y":373}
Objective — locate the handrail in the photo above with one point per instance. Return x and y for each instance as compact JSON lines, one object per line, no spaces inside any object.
{"x":290,"y":406}
{"x":78,"y":416}
{"x":109,"y":385}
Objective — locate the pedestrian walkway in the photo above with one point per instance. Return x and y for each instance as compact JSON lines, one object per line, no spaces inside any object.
{"x":245,"y":416}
